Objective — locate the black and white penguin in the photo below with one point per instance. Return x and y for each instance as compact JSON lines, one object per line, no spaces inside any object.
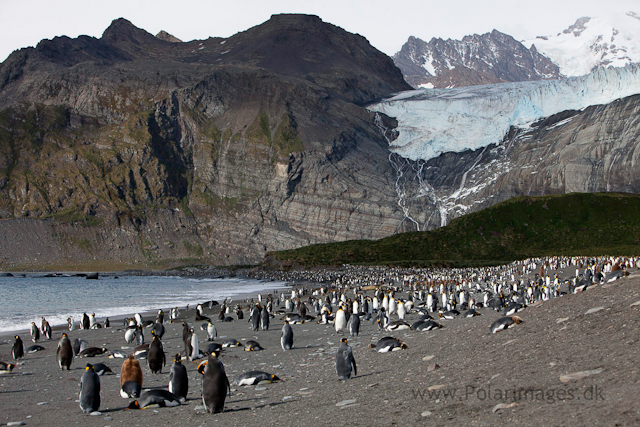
{"x":140,"y":335}
{"x":156,"y":358}
{"x":255,"y":318}
{"x":6,"y":368}
{"x":130,"y":334}
{"x":89,"y":390}
{"x":398,"y":325}
{"x":102,"y":369}
{"x":34,"y":349}
{"x":388,"y":344}
{"x":212,"y":332}
{"x":107,"y":323}
{"x":354,"y":325}
{"x":215,"y":386}
{"x":345,"y":362}
{"x":64,"y":353}
{"x":35,"y":332}
{"x":85,"y":323}
{"x":512,"y":308}
{"x":239,"y":313}
{"x":158,"y":330}
{"x":160,"y":317}
{"x":505,"y":323}
{"x":17,"y":351}
{"x":70,"y":325}
{"x":178,"y":379}
{"x":93,"y":321}
{"x":46,"y":329}
{"x":425,"y":325}
{"x":252,"y":345}
{"x":155,"y":398}
{"x":340,"y":321}
{"x":92,"y":352}
{"x":264,"y":319}
{"x":286,"y":336}
{"x":293,"y":318}
{"x":195,"y":348}
{"x":254,"y":377}
{"x":213,"y":347}
{"x":470,"y":313}
{"x":230,"y":342}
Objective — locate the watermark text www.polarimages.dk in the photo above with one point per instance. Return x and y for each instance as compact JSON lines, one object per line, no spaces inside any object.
{"x":507,"y":395}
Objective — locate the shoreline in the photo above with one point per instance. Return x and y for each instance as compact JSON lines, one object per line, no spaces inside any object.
{"x":116,"y":320}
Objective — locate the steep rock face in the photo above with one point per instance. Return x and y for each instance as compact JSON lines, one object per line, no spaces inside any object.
{"x":477,"y":59}
{"x":146,"y":150}
{"x":594,"y":150}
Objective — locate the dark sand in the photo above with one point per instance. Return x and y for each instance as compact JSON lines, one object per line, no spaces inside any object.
{"x":483,"y":370}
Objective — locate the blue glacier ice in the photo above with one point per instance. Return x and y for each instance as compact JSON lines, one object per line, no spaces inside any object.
{"x":436,"y":121}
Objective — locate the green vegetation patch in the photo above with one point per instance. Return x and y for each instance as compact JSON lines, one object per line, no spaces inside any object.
{"x":523,"y":227}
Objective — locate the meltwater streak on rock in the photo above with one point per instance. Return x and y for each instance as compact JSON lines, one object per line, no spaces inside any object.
{"x":23,"y":300}
{"x":432,"y":122}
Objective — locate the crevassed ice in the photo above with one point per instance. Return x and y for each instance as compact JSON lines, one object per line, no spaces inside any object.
{"x":436,"y":121}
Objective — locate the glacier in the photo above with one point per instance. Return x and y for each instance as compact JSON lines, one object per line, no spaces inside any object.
{"x":435,"y":121}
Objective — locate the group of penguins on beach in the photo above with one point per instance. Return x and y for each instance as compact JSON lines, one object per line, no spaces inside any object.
{"x":346,"y":302}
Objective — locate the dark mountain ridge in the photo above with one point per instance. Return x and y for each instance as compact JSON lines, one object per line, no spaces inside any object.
{"x":489,"y":58}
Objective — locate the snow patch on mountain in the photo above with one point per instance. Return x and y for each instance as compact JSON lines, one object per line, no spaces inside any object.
{"x":436,"y":121}
{"x":591,"y":42}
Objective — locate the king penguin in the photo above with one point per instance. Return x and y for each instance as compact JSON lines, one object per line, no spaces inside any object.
{"x":215,"y":386}
{"x":35,"y":332}
{"x":17,"y":351}
{"x":255,"y":318}
{"x":286,"y":336}
{"x":195,"y":349}
{"x":84,"y":323}
{"x":264,"y":319}
{"x":354,"y":325}
{"x":178,"y":379}
{"x":212,"y":333}
{"x":155,"y":356}
{"x":345,"y":363}
{"x":64,"y":353}
{"x":89,"y":390}
{"x":340,"y":321}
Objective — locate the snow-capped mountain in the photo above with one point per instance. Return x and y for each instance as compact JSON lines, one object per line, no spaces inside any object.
{"x":436,"y":121}
{"x":475,"y":60}
{"x":592,"y":42}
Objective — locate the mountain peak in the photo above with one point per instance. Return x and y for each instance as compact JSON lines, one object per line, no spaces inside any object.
{"x":163,"y":35}
{"x":122,"y":30}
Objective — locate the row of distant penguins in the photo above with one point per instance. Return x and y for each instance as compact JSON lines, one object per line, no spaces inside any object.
{"x":509,"y":298}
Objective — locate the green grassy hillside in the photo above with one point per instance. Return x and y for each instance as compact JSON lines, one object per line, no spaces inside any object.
{"x":571,"y":224}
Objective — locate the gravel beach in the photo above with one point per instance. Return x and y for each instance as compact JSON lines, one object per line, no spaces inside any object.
{"x":457,"y":375}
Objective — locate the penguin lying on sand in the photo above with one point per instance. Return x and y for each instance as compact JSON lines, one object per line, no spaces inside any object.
{"x":388,"y":344}
{"x":254,"y":377}
{"x":505,"y":323}
{"x":155,"y":398}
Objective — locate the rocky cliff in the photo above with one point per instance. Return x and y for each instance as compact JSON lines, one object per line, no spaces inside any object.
{"x":133,"y":149}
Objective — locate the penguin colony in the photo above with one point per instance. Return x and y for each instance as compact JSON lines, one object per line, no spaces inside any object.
{"x":347,"y":304}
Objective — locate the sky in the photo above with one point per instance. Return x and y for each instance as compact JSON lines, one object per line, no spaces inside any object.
{"x":387,"y":24}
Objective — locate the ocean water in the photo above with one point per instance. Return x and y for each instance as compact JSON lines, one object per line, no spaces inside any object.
{"x":25,"y":299}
